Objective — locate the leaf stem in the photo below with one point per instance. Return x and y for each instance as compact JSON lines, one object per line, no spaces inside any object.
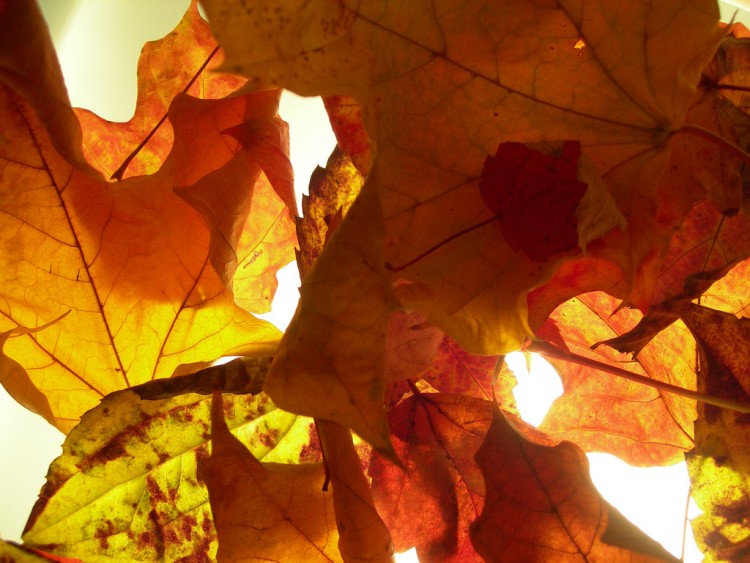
{"x":117,"y":174}
{"x":699,"y":131}
{"x":438,"y":245}
{"x":549,"y":350}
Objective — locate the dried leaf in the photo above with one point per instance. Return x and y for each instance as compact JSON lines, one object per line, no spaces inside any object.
{"x":125,"y":486}
{"x":534,"y":74}
{"x":331,"y":360}
{"x":362,"y":534}
{"x":543,"y":505}
{"x":431,"y":502}
{"x":280,"y":513}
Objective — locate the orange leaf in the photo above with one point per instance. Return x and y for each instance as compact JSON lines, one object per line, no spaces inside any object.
{"x":331,"y":360}
{"x":439,"y":90}
{"x":265,"y":510}
{"x":131,"y":260}
{"x":180,"y":62}
{"x":601,"y":412}
{"x":362,"y":534}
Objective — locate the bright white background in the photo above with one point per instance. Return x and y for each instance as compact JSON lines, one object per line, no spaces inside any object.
{"x":98,"y":43}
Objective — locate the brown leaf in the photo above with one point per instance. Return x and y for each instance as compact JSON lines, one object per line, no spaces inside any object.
{"x":279,"y":512}
{"x":542,"y":506}
{"x":330,"y":363}
{"x":362,"y":534}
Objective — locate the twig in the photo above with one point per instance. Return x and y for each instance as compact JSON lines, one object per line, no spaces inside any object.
{"x":549,"y":350}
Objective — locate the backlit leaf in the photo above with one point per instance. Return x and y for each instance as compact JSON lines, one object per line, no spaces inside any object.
{"x":533,"y":74}
{"x":535,"y":196}
{"x":131,"y":260}
{"x":542,"y":506}
{"x":362,"y":534}
{"x":126,"y":486}
{"x":431,"y":502}
{"x":281,"y":512}
{"x":603,"y":412}
{"x":331,"y":360}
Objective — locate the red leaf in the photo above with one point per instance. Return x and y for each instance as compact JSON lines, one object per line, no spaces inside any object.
{"x":535,"y":196}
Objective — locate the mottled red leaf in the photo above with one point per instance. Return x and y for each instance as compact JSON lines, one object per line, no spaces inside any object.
{"x":433,"y":500}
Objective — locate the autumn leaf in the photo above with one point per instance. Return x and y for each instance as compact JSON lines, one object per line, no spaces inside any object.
{"x":180,"y":62}
{"x":536,"y":75}
{"x":131,"y":261}
{"x":719,"y":465}
{"x":332,"y":191}
{"x":331,"y":360}
{"x":362,"y":534}
{"x":543,"y":505}
{"x":280,"y":514}
{"x":535,"y":197}
{"x":125,"y":486}
{"x":431,"y":502}
{"x":602,"y":412}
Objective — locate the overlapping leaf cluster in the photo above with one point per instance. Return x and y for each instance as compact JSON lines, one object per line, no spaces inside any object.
{"x":506,"y":170}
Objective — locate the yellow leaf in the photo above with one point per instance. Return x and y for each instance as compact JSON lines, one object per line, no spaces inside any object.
{"x":265,"y":511}
{"x":441,"y":86}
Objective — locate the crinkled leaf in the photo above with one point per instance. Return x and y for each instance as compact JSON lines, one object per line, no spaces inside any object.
{"x":719,"y":465}
{"x":332,"y":191}
{"x":130,"y":260}
{"x":331,"y":360}
{"x":126,"y":486}
{"x":431,"y":502}
{"x":280,"y":511}
{"x":602,"y":412}
{"x":532,"y":74}
{"x":542,"y":506}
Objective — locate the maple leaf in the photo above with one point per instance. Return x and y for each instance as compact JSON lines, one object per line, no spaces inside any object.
{"x":284,"y":514}
{"x":180,"y":62}
{"x":552,"y":483}
{"x":131,"y":261}
{"x":535,"y":197}
{"x":126,"y":485}
{"x":522,"y":82}
{"x":601,"y":412}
